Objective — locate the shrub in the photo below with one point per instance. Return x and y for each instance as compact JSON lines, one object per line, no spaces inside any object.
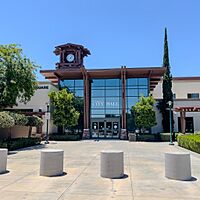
{"x":146,"y":137}
{"x":165,"y":137}
{"x":34,"y":121}
{"x":17,"y":143}
{"x":65,"y":137}
{"x":6,"y":121}
{"x":191,"y":142}
{"x":20,"y":119}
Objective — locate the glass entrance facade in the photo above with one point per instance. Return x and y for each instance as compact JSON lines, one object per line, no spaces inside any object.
{"x":105,"y":100}
{"x":105,"y":108}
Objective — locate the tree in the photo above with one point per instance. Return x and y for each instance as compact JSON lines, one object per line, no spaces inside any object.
{"x":64,"y":113}
{"x":166,"y":88}
{"x":17,"y":76}
{"x":78,"y":104}
{"x":144,"y":114}
{"x":33,"y":121}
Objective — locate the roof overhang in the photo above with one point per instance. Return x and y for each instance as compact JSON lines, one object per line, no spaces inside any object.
{"x":153,"y":73}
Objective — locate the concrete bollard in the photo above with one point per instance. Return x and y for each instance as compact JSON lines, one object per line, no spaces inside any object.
{"x":51,"y":162}
{"x":178,"y":166}
{"x":112,"y":164}
{"x":3,"y":160}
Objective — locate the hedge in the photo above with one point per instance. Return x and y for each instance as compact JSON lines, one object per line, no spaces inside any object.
{"x":165,"y":137}
{"x":159,"y":137}
{"x":191,"y":142}
{"x":6,"y":121}
{"x":18,"y":143}
{"x":20,"y":119}
{"x":66,"y":137}
{"x":146,"y":137}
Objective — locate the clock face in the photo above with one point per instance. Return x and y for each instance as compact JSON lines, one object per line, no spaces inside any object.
{"x":70,"y":57}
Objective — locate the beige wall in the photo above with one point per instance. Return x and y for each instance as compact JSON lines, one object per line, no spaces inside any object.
{"x":181,"y":88}
{"x":39,"y":101}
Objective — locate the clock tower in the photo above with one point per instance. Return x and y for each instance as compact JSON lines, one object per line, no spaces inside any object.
{"x":71,"y":55}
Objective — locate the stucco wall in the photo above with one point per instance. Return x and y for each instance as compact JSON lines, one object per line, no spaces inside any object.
{"x":158,"y":128}
{"x":181,"y":88}
{"x":39,"y":101}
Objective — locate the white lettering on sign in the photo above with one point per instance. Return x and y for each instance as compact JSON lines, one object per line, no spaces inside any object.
{"x":112,"y":103}
{"x":98,"y":103}
{"x":43,"y":87}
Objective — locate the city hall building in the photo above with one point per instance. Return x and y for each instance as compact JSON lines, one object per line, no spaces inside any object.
{"x":108,"y":94}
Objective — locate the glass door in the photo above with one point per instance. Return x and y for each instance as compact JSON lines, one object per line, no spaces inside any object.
{"x":115,"y":129}
{"x":108,"y":133}
{"x":95,"y":129}
{"x":101,"y":129}
{"x":105,"y":128}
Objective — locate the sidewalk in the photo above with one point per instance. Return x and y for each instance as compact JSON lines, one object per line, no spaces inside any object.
{"x":144,"y":169}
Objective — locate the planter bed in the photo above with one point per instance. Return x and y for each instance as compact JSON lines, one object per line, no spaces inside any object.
{"x":67,"y":137}
{"x":17,"y":143}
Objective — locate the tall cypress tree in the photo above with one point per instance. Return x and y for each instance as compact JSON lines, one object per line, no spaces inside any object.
{"x":166,"y":88}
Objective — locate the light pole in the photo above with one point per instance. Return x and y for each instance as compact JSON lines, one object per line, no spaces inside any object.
{"x":170,"y":122}
{"x":47,"y":127}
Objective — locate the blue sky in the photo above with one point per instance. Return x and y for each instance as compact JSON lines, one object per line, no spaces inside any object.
{"x":117,"y":32}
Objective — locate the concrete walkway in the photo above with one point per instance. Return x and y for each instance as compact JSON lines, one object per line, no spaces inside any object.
{"x":144,"y":169}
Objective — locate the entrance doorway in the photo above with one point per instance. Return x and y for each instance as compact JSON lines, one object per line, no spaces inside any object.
{"x":105,"y":128}
{"x":189,"y":125}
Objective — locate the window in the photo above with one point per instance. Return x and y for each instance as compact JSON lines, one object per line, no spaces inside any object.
{"x":79,"y":83}
{"x":193,"y":95}
{"x":142,"y":81}
{"x":143,"y":92}
{"x":131,"y":101}
{"x":67,"y":83}
{"x":79,"y":93}
{"x":98,"y":103}
{"x":112,"y":102}
{"x":74,"y":86}
{"x":113,"y":93}
{"x":105,"y":98}
{"x":98,"y":83}
{"x":132,"y":92}
{"x":98,"y":93}
{"x":112,"y":82}
{"x":135,"y":88}
{"x":132,"y":81}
